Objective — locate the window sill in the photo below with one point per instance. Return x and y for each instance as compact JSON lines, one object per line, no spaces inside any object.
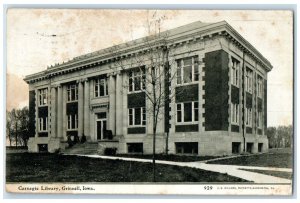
{"x":72,"y":101}
{"x":187,"y":123}
{"x":186,"y":84}
{"x":232,"y":123}
{"x":235,"y":85}
{"x":43,"y":105}
{"x":136,"y":126}
{"x":75,"y":129}
{"x":101,"y":97}
{"x":133,"y":92}
{"x":46,"y":131}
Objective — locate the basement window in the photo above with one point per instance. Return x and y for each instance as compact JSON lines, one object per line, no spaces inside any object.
{"x":186,"y":147}
{"x":260,"y":147}
{"x":250,"y":147}
{"x":236,"y":147}
{"x":135,"y":147}
{"x":43,"y":148}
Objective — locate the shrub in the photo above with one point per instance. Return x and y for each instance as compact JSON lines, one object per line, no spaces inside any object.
{"x":83,"y":139}
{"x":110,"y":151}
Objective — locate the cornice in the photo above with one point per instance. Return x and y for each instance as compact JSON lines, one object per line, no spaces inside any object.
{"x":139,"y":46}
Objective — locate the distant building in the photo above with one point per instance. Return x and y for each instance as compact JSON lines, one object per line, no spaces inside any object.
{"x":223,"y":109}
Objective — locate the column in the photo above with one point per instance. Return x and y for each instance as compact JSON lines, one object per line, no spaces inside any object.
{"x":112,"y":104}
{"x":53,"y":112}
{"x":86,"y":116}
{"x":124,"y":105}
{"x":64,"y":113}
{"x":36,"y":113}
{"x":91,"y":113}
{"x":59,"y":111}
{"x":80,"y":109}
{"x":119,"y":103}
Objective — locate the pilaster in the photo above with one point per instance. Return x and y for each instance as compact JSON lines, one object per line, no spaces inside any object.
{"x":86,"y":116}
{"x":112,"y":104}
{"x":59,"y":111}
{"x":80,"y":108}
{"x":53,"y":112}
{"x":119,"y":103}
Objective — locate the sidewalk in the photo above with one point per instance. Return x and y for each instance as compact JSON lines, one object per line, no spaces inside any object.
{"x":232,"y":170}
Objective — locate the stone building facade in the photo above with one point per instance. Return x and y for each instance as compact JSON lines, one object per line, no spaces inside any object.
{"x":222,"y":108}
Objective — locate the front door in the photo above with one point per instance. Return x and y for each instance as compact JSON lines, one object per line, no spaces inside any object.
{"x":101,"y":129}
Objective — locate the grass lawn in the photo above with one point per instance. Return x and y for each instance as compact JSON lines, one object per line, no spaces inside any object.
{"x":170,"y":157}
{"x":275,"y":158}
{"x":28,"y":167}
{"x":279,"y":174}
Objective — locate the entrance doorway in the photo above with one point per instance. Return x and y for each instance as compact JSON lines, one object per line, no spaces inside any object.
{"x":101,"y":123}
{"x":101,"y":129}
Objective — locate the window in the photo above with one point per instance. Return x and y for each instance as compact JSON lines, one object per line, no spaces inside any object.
{"x":187,"y":112}
{"x":248,"y":117}
{"x":137,"y":80}
{"x":235,"y":72}
{"x":137,"y":116}
{"x":101,"y":87}
{"x":236,"y":147}
{"x":249,"y":147}
{"x":135,"y":147}
{"x":249,"y":80}
{"x":259,"y":86}
{"x":72,"y":92}
{"x":259,"y":120}
{"x":43,"y":95}
{"x":72,"y":122}
{"x":187,"y":70}
{"x":260,"y":147}
{"x":42,"y":148}
{"x":186,"y":147}
{"x":43,"y":124}
{"x":235,"y":113}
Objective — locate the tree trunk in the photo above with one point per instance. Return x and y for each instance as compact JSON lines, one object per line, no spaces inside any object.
{"x":154,"y":140}
{"x":16,"y":134}
{"x":167,"y":143}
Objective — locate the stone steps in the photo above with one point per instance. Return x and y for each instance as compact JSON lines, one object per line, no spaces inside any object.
{"x":86,"y":148}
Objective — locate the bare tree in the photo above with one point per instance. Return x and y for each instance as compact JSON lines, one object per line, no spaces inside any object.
{"x":153,"y":63}
{"x":9,"y":126}
{"x":280,"y":136}
{"x":17,"y":126}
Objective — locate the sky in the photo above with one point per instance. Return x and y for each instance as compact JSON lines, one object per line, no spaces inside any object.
{"x":37,"y":38}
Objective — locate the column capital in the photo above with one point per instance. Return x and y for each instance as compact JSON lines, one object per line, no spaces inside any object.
{"x":115,"y":73}
{"x":55,"y":86}
{"x":110,"y":74}
{"x":81,"y":80}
